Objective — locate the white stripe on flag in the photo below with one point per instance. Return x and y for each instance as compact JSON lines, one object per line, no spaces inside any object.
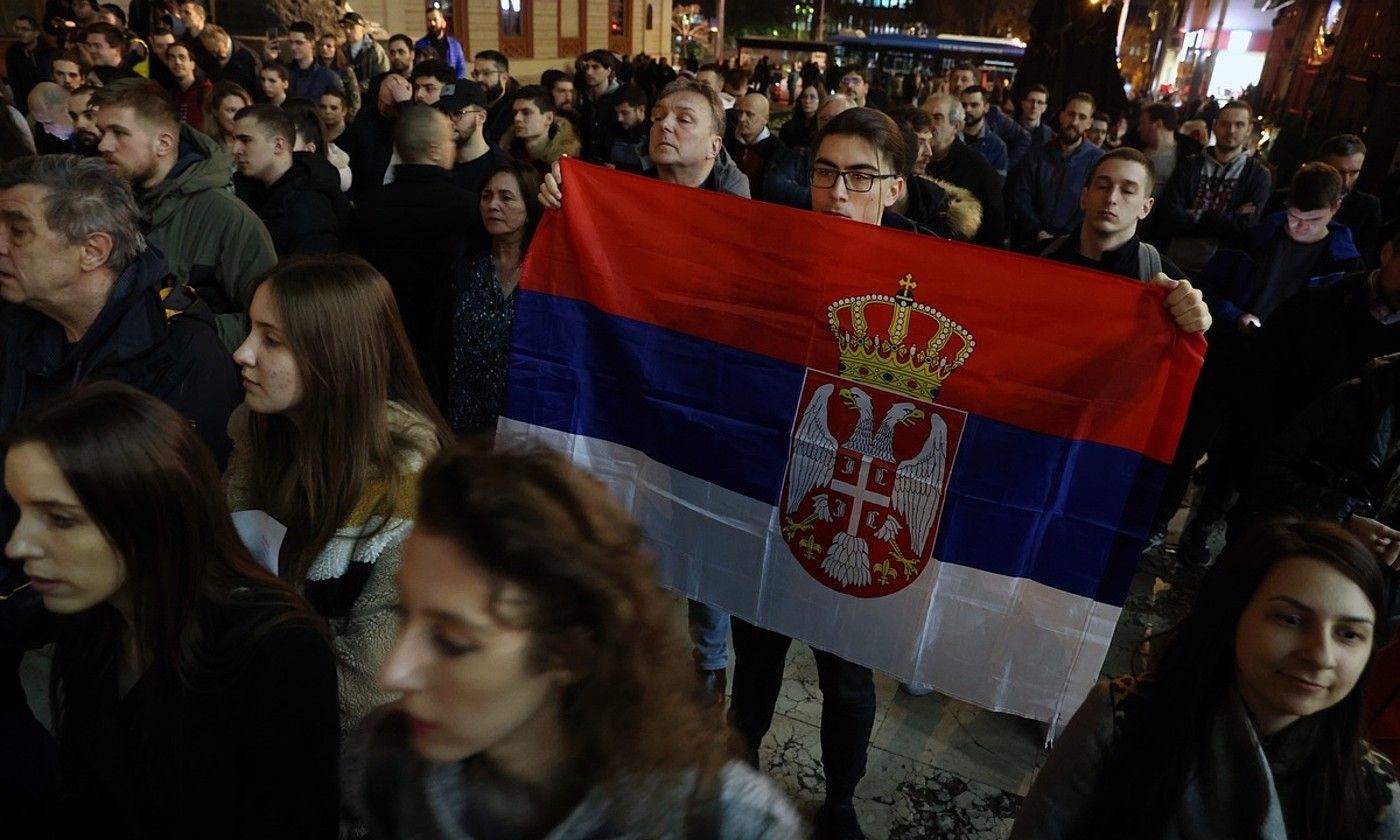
{"x":1006,"y":644}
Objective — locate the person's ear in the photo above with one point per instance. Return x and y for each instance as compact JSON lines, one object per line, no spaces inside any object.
{"x":167,"y":143}
{"x":1147,"y":207}
{"x":97,"y":248}
{"x":894,"y":191}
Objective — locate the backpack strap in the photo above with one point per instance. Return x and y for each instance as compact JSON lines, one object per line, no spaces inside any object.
{"x":1149,"y":261}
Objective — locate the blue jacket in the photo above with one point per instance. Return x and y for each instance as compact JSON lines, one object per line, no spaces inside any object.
{"x":455,"y":57}
{"x":1228,"y":280}
{"x":1012,"y":133}
{"x":991,"y":147}
{"x":785,"y":179}
{"x":1045,"y":189}
{"x":312,"y":82}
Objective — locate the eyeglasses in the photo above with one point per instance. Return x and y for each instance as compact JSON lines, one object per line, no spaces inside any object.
{"x":824,"y":178}
{"x":457,"y":115}
{"x":852,"y":80}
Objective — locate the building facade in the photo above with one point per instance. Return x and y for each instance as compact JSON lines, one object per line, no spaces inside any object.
{"x":539,"y":34}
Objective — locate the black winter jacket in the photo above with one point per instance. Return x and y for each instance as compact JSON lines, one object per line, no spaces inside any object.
{"x":304,"y":210}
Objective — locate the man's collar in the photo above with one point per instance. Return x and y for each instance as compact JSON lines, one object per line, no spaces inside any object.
{"x":762,"y":135}
{"x":981,"y":129}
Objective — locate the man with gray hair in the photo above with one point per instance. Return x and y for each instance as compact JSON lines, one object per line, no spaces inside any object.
{"x":953,"y":161}
{"x":84,"y":289}
{"x":687,"y":146}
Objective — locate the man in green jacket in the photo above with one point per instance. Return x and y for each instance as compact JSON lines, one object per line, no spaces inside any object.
{"x":211,"y":240}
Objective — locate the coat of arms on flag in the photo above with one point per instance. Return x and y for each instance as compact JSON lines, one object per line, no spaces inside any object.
{"x":871,"y":452}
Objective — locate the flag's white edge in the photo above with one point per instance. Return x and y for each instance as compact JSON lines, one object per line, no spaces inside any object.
{"x":1006,"y":644}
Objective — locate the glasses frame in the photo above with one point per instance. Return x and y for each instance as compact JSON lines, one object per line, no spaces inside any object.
{"x":843,"y":175}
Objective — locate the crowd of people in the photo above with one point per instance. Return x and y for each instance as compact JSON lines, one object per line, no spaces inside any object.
{"x":283,"y":285}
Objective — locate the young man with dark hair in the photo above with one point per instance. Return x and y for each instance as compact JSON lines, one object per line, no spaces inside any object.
{"x":1016,"y":139}
{"x":535,"y":136}
{"x":855,"y":84}
{"x":448,"y":49}
{"x":1046,"y":187}
{"x":1033,"y":104}
{"x":1360,"y":211}
{"x":561,"y":86}
{"x":596,"y":114}
{"x":628,"y":149}
{"x":181,"y":177}
{"x":1214,"y":198}
{"x":1162,"y":143}
{"x":298,"y":207}
{"x":1115,"y":201}
{"x":1301,"y":247}
{"x":84,"y":117}
{"x":69,"y":68}
{"x":491,"y":70}
{"x":429,"y":79}
{"x":274,"y":83}
{"x":977,"y":133}
{"x":191,"y":86}
{"x":1098,"y":130}
{"x":106,"y":45}
{"x":26,"y":61}
{"x":308,"y":78}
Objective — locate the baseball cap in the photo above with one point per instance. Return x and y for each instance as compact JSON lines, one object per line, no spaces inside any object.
{"x":353,"y":17}
{"x":461,"y":94}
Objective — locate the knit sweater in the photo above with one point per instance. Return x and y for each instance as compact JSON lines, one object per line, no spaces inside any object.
{"x":351,"y":583}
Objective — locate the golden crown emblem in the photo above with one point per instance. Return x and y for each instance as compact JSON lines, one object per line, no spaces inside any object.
{"x":913,"y":347}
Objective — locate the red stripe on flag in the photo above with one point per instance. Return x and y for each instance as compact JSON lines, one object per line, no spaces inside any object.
{"x":1059,"y":350}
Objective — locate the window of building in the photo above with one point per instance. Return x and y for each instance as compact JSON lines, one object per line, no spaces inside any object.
{"x":515,"y":28}
{"x":619,"y":29}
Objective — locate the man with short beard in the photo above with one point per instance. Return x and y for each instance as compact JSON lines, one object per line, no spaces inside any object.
{"x":448,"y":49}
{"x":976,"y":133}
{"x":1045,"y":188}
{"x":464,"y":103}
{"x":491,"y":70}
{"x":1016,"y":138}
{"x":181,"y":177}
{"x":1214,"y":198}
{"x":84,"y":117}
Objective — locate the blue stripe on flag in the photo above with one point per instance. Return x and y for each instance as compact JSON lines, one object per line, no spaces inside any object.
{"x":1066,"y":513}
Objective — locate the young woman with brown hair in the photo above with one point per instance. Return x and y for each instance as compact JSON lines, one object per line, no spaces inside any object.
{"x":335,"y":427}
{"x":1248,"y":724}
{"x":194,"y":694}
{"x":224,"y":100}
{"x":546,"y":692}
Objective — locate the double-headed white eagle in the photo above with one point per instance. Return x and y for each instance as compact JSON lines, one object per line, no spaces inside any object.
{"x":918,"y":481}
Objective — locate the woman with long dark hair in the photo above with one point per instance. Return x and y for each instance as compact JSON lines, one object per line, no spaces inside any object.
{"x":802,"y":125}
{"x":483,"y":298}
{"x":335,"y":428}
{"x":545,"y":690}
{"x":194,"y":694}
{"x":1248,"y":725}
{"x":225,"y":99}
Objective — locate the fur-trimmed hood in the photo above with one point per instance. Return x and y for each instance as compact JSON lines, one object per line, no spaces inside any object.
{"x":563,"y":140}
{"x":964,"y":213}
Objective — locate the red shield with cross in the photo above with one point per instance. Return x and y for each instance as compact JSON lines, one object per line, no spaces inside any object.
{"x":865,"y":484}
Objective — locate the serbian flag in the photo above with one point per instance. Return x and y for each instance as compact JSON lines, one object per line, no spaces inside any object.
{"x":934,"y":459}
